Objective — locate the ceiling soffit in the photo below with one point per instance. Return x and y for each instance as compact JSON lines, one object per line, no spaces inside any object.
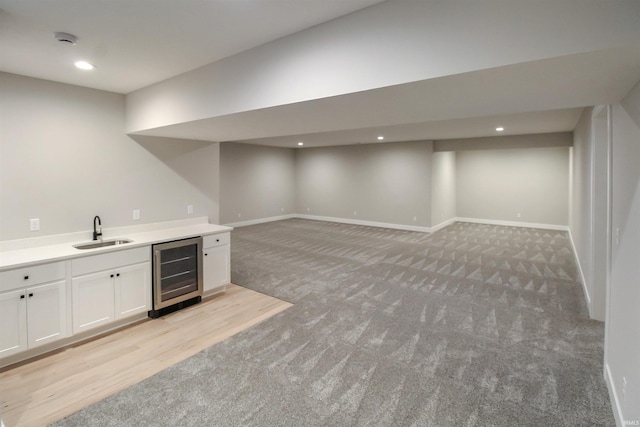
{"x":434,"y":108}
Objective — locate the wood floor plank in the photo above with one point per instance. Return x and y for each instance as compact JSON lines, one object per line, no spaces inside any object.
{"x":48,"y":389}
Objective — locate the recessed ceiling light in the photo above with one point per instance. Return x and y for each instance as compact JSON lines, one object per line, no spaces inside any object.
{"x":380,"y":138}
{"x":300,"y":143}
{"x":499,"y":129}
{"x":84,"y":65}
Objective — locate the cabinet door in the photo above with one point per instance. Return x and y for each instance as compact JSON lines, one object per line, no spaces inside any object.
{"x":13,"y":322}
{"x":93,"y":300}
{"x":133,"y":290}
{"x":46,"y":313}
{"x":216,"y":268}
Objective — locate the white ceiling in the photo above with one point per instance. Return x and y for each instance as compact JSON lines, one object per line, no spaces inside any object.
{"x":135,"y":43}
{"x":517,"y":124}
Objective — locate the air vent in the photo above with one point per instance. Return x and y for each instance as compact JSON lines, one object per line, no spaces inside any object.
{"x":66,"y":38}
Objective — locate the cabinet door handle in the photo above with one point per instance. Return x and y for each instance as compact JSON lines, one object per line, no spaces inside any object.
{"x":112,"y":276}
{"x":205,"y":254}
{"x":26,"y":277}
{"x":22,"y":296}
{"x":217,"y":240}
{"x":118,"y":275}
{"x":30,"y":295}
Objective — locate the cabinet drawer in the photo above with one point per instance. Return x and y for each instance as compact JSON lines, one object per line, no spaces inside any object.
{"x":213,"y":240}
{"x":28,"y":276}
{"x":91,"y":264}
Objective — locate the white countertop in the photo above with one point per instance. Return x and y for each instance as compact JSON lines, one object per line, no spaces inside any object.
{"x":37,"y":255}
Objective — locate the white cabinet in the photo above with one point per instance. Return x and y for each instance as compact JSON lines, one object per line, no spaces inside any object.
{"x":13,"y":323}
{"x":46,"y":313}
{"x":216,"y":263}
{"x":32,"y":313}
{"x":87,"y":293}
{"x":133,"y":290}
{"x":93,"y":301}
{"x":112,"y":290}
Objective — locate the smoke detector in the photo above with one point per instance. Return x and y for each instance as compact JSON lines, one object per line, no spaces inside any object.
{"x":66,"y":38}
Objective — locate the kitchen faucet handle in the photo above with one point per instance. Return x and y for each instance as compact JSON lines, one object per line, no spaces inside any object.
{"x":97,"y":227}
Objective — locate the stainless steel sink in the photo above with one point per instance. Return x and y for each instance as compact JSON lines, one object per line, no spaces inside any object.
{"x":102,"y":244}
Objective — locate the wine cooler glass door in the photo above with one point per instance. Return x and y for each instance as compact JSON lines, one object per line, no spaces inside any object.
{"x":177,"y":271}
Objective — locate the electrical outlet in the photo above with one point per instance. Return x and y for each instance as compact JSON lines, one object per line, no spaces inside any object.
{"x":190,"y":209}
{"x":415,"y":218}
{"x":355,"y":213}
{"x":281,"y":209}
{"x":34,"y":224}
{"x":136,"y":214}
{"x":308,"y":209}
{"x":239,"y":215}
{"x":518,"y":215}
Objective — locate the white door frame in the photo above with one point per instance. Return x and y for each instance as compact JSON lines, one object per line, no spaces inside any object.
{"x":601,"y":158}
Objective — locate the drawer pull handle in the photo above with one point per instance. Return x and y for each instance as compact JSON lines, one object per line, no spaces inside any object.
{"x":112,"y":275}
{"x":206,"y":254}
{"x":118,"y":275}
{"x":30,"y":295}
{"x":217,"y":240}
{"x":22,"y":296}
{"x":26,"y":277}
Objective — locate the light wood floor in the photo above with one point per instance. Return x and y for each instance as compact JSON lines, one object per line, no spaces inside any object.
{"x":49,"y":389}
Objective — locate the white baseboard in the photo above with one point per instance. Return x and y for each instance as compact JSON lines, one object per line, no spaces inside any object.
{"x":585,"y":290}
{"x":260,"y":220}
{"x":366,"y":223}
{"x":443,"y":224}
{"x":514,"y":223}
{"x":613,"y":396}
{"x":399,"y":226}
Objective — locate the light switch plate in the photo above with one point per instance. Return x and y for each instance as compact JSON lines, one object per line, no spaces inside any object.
{"x":136,"y":214}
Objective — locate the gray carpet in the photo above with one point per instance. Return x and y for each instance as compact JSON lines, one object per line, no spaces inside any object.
{"x":472,"y":325}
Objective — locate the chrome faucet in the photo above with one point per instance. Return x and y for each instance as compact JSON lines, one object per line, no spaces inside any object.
{"x":97,"y":233}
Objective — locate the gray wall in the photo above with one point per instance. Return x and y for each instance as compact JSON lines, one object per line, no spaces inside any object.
{"x":499,"y":184}
{"x":623,"y":296}
{"x":64,"y":158}
{"x":622,"y":343}
{"x":395,"y":182}
{"x":255,"y":182}
{"x":387,"y":183}
{"x":443,"y":187}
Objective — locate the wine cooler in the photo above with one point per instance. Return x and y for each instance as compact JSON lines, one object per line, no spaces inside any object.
{"x":177,"y":275}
